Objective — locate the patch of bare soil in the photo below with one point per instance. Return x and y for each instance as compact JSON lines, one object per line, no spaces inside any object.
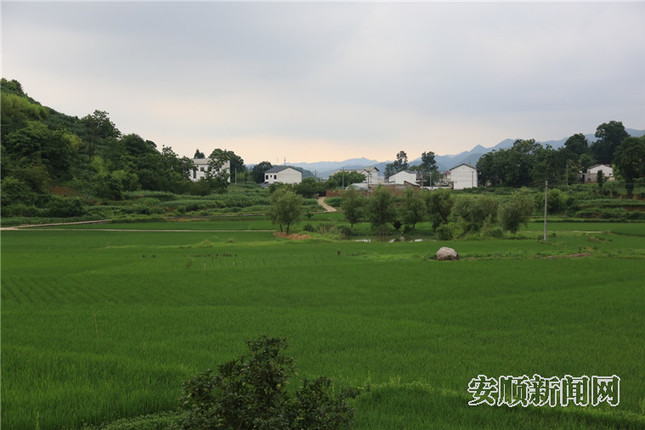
{"x":292,"y":236}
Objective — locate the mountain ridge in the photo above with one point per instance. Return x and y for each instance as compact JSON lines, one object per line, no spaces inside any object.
{"x":324,"y":169}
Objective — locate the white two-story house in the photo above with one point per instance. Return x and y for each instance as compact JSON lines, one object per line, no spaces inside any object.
{"x":283,"y":175}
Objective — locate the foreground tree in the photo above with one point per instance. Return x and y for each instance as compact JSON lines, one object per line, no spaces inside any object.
{"x":251,"y":392}
{"x":630,"y":161}
{"x":286,"y":208}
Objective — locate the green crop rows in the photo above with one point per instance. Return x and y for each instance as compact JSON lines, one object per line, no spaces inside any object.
{"x":102,"y":325}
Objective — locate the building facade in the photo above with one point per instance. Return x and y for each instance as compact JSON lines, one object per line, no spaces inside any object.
{"x":201,"y":167}
{"x":462,"y":176}
{"x":283,"y":175}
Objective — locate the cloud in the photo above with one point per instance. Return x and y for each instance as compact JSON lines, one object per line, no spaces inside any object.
{"x":360,"y":79}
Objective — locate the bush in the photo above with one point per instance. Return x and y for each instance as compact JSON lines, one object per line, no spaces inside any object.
{"x":516,"y":212}
{"x":65,"y":207}
{"x":250,"y":393}
{"x":308,"y":227}
{"x":447,"y":231}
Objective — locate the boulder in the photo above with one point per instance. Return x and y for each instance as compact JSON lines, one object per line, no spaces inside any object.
{"x":446,"y":253}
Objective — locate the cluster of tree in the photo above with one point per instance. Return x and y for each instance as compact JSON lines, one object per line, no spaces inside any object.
{"x":428,"y":167}
{"x":528,"y":163}
{"x":42,"y":148}
{"x":253,"y":392}
{"x":467,"y":214}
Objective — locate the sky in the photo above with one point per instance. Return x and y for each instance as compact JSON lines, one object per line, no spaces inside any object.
{"x":308,"y":81}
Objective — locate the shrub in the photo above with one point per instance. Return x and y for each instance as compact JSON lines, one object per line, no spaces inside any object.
{"x":308,"y":227}
{"x":65,"y":207}
{"x":447,"y":231}
{"x":345,"y":231}
{"x":250,"y":393}
{"x":516,"y":212}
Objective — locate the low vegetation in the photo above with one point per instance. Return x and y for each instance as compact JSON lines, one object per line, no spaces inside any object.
{"x":99,"y":326}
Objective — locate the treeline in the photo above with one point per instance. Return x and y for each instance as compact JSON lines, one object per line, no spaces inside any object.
{"x":55,"y":161}
{"x":450,"y":217}
{"x":528,"y":163}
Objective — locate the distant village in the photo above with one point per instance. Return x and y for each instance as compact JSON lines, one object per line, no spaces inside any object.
{"x":460,"y":177}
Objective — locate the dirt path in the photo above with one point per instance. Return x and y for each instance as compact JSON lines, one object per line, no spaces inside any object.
{"x":321,"y":202}
{"x":18,"y":227}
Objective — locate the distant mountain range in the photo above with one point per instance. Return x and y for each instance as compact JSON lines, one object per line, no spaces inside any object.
{"x":324,"y":169}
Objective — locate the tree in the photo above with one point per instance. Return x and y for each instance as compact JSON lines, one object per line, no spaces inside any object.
{"x":428,"y":168}
{"x":475,"y":211}
{"x":609,"y":137}
{"x":380,"y":208}
{"x":577,"y":144}
{"x":199,"y":154}
{"x":251,"y":392}
{"x":216,"y":175}
{"x":98,"y":130}
{"x":439,"y":203}
{"x":308,"y":187}
{"x":343,"y":179}
{"x":516,"y":211}
{"x":630,"y":161}
{"x":353,"y":206}
{"x":257,"y":173}
{"x":414,"y":208}
{"x":286,"y":208}
{"x":399,"y":165}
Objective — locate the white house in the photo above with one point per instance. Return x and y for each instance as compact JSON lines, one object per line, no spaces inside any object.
{"x":371,"y":175}
{"x":283,"y":175}
{"x":592,"y":173}
{"x":462,"y":176}
{"x":201,"y":167}
{"x":402,"y":177}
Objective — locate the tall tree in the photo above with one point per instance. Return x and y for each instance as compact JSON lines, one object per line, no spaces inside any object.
{"x":609,"y":137}
{"x":257,"y":173}
{"x":98,"y":130}
{"x":630,"y":161}
{"x":399,"y":164}
{"x":577,"y":144}
{"x":199,"y":154}
{"x":429,"y":168}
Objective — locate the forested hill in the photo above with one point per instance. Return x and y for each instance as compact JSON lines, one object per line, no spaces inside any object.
{"x":48,"y":157}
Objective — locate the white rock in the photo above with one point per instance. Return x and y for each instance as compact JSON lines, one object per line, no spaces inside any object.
{"x":446,"y":253}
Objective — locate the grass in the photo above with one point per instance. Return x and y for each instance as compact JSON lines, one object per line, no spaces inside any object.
{"x":104,"y":325}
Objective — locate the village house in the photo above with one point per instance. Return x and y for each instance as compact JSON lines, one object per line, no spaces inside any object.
{"x":283,"y":175}
{"x":462,"y":176}
{"x":592,"y":173}
{"x":201,"y":167}
{"x":403,"y":177}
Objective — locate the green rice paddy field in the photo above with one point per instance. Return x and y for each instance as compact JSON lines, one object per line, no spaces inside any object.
{"x":102,"y":325}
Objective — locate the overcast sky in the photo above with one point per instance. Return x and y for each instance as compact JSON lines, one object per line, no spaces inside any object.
{"x":331,"y":81}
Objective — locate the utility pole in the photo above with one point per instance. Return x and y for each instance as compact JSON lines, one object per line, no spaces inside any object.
{"x":546,"y":194}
